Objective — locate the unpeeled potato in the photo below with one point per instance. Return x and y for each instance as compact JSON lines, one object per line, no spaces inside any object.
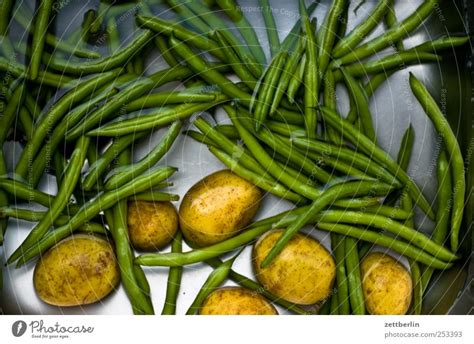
{"x":218,"y":207}
{"x":79,"y":270}
{"x":386,"y":284}
{"x":236,"y":301}
{"x":151,"y":225}
{"x":303,"y":272}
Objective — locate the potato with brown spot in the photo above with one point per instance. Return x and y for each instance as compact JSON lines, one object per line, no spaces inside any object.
{"x":79,"y":270}
{"x":386,"y":284}
{"x":303,"y":272}
{"x":218,"y":207}
{"x":151,"y":225}
{"x":236,"y":301}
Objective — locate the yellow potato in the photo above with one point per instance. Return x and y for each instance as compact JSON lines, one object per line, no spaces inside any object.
{"x":79,"y":270}
{"x":218,"y":207}
{"x":151,"y":225}
{"x":303,"y":272}
{"x":236,"y":301}
{"x":387,"y":285}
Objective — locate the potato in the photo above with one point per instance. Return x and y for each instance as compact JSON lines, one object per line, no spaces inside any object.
{"x":151,"y":225}
{"x":78,"y":270}
{"x":236,"y":301}
{"x":303,"y":272}
{"x":387,"y":285}
{"x":218,"y":207}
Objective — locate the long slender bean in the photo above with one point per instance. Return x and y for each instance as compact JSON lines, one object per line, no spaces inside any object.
{"x":214,"y":280}
{"x":174,"y":279}
{"x":366,"y":26}
{"x":356,"y":296}
{"x":93,"y":207}
{"x":124,"y":174}
{"x":452,"y":150}
{"x":71,"y":177}
{"x":270,"y":27}
{"x":338,"y":191}
{"x":338,"y":247}
{"x":391,"y":36}
{"x":42,"y":20}
{"x":54,"y":114}
{"x":369,"y":148}
{"x":296,"y":80}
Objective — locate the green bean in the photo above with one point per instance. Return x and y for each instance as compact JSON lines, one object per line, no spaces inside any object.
{"x":197,"y":136}
{"x":228,"y":130}
{"x":231,"y":148}
{"x":174,"y":279}
{"x":213,"y":281}
{"x":179,"y":7}
{"x":417,"y":287}
{"x":333,"y":193}
{"x":364,"y":202}
{"x":326,"y":307}
{"x":11,"y":110}
{"x":41,"y":19}
{"x":171,"y":97}
{"x":293,"y":35}
{"x":330,"y":101}
{"x":96,"y":170}
{"x":406,"y":147}
{"x":71,"y":119}
{"x":334,"y":306}
{"x":366,"y":26}
{"x":231,"y":56}
{"x":377,"y":154}
{"x":344,"y":154}
{"x":85,"y":33}
{"x":259,"y":289}
{"x":5,"y":11}
{"x":285,"y":129}
{"x":230,"y":8}
{"x":289,"y":117}
{"x":362,"y":105}
{"x":105,"y":64}
{"x":44,"y":78}
{"x":65,"y":190}
{"x":311,"y":76}
{"x":267,"y":89}
{"x":270,"y":27}
{"x":132,"y":91}
{"x":155,"y":196}
{"x":259,"y":180}
{"x":168,"y":28}
{"x":391,"y":21}
{"x":338,"y":248}
{"x":396,"y":60}
{"x":93,"y":207}
{"x":444,"y":203}
{"x":32,"y":107}
{"x":390,"y":36}
{"x":333,"y":217}
{"x":113,"y":36}
{"x":96,"y":25}
{"x":25,"y":20}
{"x":356,"y":296}
{"x":22,"y":191}
{"x":209,"y":74}
{"x":124,"y":174}
{"x":296,"y":79}
{"x":54,"y":114}
{"x":266,"y":160}
{"x":288,"y":152}
{"x":390,"y":212}
{"x":329,"y":34}
{"x":385,"y":241}
{"x":453,"y":152}
{"x":162,"y":117}
{"x":447,"y":42}
{"x":245,"y":28}
{"x":139,"y":301}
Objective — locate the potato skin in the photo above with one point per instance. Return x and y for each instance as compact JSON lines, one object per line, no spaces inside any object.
{"x":79,"y":270}
{"x":236,"y":301}
{"x":218,"y":207}
{"x":151,"y":225}
{"x":386,"y":284}
{"x":303,"y":272}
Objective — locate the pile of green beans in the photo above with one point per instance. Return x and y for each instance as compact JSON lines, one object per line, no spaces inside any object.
{"x":78,"y":112}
